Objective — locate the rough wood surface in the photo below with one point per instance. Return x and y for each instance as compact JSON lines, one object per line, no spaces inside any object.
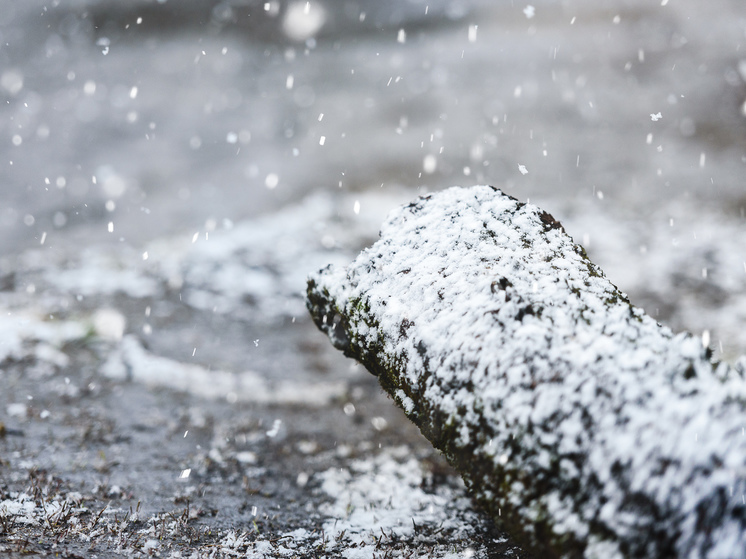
{"x":578,"y":422}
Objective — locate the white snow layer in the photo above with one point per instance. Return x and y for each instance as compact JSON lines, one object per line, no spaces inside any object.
{"x":590,"y":416}
{"x":131,"y":361}
{"x":381,"y":499}
{"x":377,"y":507}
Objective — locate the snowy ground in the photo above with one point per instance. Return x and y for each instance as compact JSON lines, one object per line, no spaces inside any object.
{"x":168,"y":184}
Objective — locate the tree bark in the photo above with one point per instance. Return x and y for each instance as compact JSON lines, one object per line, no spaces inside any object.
{"x":583,"y":427}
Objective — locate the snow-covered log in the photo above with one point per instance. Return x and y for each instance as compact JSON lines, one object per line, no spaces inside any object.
{"x":584,"y":427}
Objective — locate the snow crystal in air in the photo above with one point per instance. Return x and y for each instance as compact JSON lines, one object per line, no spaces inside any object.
{"x":473,"y":33}
{"x":104,"y":43}
{"x":302,"y":20}
{"x":271,"y":180}
{"x":429,"y":164}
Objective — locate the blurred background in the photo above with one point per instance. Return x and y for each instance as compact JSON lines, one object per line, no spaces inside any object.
{"x":171,"y":170}
{"x":624,"y":118}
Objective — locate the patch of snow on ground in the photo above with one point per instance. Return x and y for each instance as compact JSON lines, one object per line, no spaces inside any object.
{"x":130,"y":361}
{"x":380,"y":500}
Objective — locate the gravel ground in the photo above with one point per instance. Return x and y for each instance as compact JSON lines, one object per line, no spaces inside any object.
{"x":169,"y":182}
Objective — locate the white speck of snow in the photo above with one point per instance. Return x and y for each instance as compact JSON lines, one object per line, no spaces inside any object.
{"x":664,"y":2}
{"x":649,"y":138}
{"x":529,"y":11}
{"x":289,"y":81}
{"x":473,"y":33}
{"x":112,"y":183}
{"x":302,"y":20}
{"x":429,"y":164}
{"x":705,"y":338}
{"x":271,"y":181}
{"x":231,"y":137}
{"x":356,"y":207}
{"x":109,"y":324}
{"x":655,"y":117}
{"x":185,"y":473}
{"x":522,"y":169}
{"x":379,"y":423}
{"x":17,"y":410}
{"x":104,"y":43}
{"x":702,"y":158}
{"x":308,"y":447}
{"x":133,"y":92}
{"x":110,"y":227}
{"x":246,"y":457}
{"x":276,"y":425}
{"x":322,"y":140}
{"x":401,"y":37}
{"x":43,"y":238}
{"x":145,"y":255}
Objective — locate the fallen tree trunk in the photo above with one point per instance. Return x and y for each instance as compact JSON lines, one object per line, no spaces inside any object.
{"x":584,"y":428}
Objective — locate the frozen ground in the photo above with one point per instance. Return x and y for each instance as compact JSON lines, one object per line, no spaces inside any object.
{"x":168,"y":184}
